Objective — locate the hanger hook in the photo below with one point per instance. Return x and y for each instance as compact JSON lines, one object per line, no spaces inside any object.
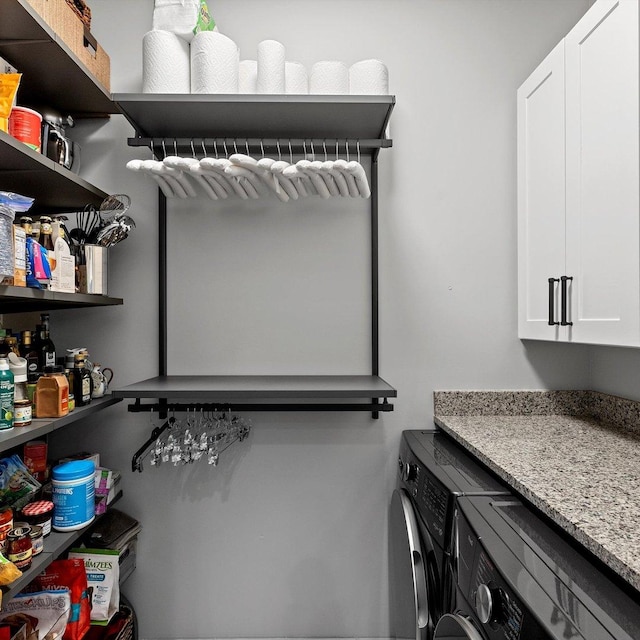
{"x":346,"y":146}
{"x":324,"y":147}
{"x":290,"y":153}
{"x":153,"y":151}
{"x":204,"y":149}
{"x":246,"y":144}
{"x":337,"y":149}
{"x":164,"y":149}
{"x":261,"y":147}
{"x":358,"y":148}
{"x":235,"y":146}
{"x":224,"y":144}
{"x":175,"y":147}
{"x":279,"y":151}
{"x":193,"y":149}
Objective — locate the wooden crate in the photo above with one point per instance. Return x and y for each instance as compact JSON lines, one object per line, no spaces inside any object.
{"x":71,"y":30}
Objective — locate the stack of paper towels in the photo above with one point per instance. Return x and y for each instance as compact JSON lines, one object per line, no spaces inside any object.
{"x":210,"y":63}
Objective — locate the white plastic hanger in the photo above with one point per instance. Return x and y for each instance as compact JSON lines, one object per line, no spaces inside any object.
{"x":165,"y":187}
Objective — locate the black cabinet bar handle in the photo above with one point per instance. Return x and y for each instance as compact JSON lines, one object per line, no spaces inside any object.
{"x":552,"y":314}
{"x":563,"y":302}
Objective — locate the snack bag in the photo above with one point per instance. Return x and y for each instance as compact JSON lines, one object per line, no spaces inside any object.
{"x":8,"y":571}
{"x":72,"y":575}
{"x":17,"y":485}
{"x":103,"y":574}
{"x":9,"y":83}
{"x":185,"y":18}
{"x":49,"y":608}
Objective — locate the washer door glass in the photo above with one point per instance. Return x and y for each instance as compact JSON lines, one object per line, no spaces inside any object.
{"x":410,"y":612}
{"x":455,"y":627}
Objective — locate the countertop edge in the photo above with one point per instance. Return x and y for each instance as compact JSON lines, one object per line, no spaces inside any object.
{"x":616,"y":564}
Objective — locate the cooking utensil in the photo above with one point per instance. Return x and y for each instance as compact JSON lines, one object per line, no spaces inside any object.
{"x":113,"y":205}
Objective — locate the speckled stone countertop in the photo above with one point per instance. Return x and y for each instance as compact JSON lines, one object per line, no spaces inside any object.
{"x":575,"y":455}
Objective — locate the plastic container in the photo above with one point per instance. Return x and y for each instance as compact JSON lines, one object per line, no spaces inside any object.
{"x":73,"y":494}
{"x":26,"y":125}
{"x":39,"y":514}
{"x":37,"y":540}
{"x":6,"y":396}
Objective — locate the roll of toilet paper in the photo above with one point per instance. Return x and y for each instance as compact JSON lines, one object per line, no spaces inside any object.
{"x":248,"y":76}
{"x":296,"y":79}
{"x":369,"y":77}
{"x":165,"y":63}
{"x":271,"y":59}
{"x":215,"y":61}
{"x":329,"y":77}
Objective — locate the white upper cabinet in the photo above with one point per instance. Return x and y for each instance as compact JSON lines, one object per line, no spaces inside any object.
{"x":579,"y":183}
{"x":541,"y":197}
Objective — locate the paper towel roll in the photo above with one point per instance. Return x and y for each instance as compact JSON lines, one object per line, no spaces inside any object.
{"x":215,"y":63}
{"x":271,"y":59}
{"x":296,"y":80}
{"x":165,"y":63}
{"x":248,"y":76}
{"x":369,"y":77}
{"x":329,"y":77}
{"x":177,"y":16}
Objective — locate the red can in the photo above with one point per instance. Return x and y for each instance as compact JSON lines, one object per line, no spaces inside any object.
{"x":25,"y":125}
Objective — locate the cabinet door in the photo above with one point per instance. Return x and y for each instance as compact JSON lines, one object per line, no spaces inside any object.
{"x":541,"y":197}
{"x":603,"y":242}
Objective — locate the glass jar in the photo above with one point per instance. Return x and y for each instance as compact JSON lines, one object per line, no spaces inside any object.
{"x":19,"y":547}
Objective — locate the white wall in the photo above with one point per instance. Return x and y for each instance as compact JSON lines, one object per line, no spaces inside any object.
{"x":287,"y":538}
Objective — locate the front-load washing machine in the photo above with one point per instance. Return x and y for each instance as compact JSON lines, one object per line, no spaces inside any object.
{"x":519,"y":578}
{"x":432,"y":471}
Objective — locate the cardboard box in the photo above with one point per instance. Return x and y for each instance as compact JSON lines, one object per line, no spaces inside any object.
{"x":71,"y":30}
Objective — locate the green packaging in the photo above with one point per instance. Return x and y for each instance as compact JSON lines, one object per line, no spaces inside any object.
{"x":7,"y":390}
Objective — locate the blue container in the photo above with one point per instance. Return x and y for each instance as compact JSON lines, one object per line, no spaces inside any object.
{"x":73,"y":492}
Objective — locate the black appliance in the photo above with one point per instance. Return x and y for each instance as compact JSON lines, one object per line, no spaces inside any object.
{"x":518,"y":578}
{"x":432,"y":472}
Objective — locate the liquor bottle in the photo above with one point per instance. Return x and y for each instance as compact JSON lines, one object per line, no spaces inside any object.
{"x":45,"y":233}
{"x":29,"y":352}
{"x":46,"y":348}
{"x":81,"y":381}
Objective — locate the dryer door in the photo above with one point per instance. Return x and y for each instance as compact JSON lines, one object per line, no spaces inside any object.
{"x":411,"y":571}
{"x":455,"y":627}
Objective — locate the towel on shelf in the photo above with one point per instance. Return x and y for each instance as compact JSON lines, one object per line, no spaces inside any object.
{"x":296,"y":79}
{"x":165,"y":63}
{"x":271,"y":59}
{"x":248,"y":76}
{"x":215,"y":63}
{"x":329,"y":77}
{"x":369,"y":77}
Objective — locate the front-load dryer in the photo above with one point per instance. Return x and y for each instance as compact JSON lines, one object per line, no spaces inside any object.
{"x":432,"y":471}
{"x":518,"y":578}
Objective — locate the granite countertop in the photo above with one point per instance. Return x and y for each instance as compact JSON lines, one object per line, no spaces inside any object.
{"x":574,"y":455}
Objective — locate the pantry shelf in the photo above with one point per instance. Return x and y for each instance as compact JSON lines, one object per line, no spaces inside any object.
{"x":21,"y":299}
{"x":55,"y":189}
{"x":55,"y":544}
{"x":52,"y":75}
{"x":264,"y":393}
{"x":43,"y":426}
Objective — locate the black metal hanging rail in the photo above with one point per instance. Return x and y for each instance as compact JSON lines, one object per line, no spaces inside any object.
{"x":216,"y":407}
{"x":321,"y":147}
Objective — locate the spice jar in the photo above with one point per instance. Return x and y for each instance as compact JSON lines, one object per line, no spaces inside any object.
{"x":19,"y":547}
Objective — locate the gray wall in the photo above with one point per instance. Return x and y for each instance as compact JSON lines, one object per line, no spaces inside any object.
{"x":287,"y":537}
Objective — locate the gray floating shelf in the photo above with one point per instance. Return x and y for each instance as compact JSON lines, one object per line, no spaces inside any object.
{"x":264,"y":393}
{"x":256,"y":116}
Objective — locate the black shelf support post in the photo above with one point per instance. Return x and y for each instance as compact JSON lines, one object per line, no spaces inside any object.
{"x":162,"y":292}
{"x":375,"y":358}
